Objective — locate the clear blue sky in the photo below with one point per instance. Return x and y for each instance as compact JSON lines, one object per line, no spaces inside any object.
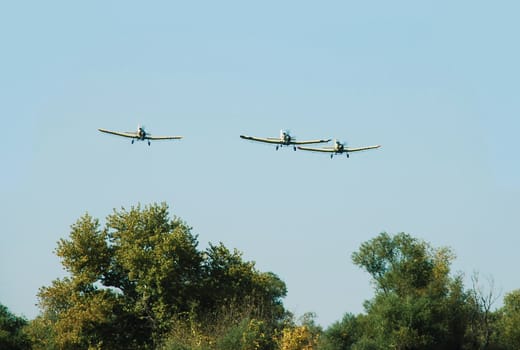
{"x":435,"y":82}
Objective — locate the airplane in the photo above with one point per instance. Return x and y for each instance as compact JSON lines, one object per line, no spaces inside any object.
{"x":285,"y":139}
{"x":140,"y":135}
{"x":338,"y":148}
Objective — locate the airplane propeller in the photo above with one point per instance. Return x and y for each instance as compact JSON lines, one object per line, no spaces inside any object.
{"x":287,"y":133}
{"x":339,"y":148}
{"x":286,"y":137}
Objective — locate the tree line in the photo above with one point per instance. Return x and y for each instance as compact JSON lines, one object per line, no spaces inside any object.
{"x":141,"y":282}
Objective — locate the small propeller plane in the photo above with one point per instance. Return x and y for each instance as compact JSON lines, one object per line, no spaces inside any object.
{"x":285,"y":139}
{"x":140,"y":135}
{"x":338,"y":148}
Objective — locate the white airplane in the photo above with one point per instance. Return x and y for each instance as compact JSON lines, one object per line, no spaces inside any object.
{"x":285,"y":139}
{"x":338,"y":148}
{"x":140,"y":135}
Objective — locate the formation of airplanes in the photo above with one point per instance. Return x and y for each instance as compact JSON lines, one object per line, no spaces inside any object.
{"x":285,"y":139}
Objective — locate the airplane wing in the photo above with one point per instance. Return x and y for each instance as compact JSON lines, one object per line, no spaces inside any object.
{"x":321,"y":149}
{"x":262,"y":139}
{"x":132,"y":135}
{"x":309,"y":142}
{"x":347,"y":149}
{"x":163,"y":137}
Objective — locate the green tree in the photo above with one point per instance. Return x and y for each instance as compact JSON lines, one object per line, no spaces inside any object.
{"x":42,"y":334}
{"x":126,"y":281}
{"x":239,"y":306}
{"x":417,"y":304}
{"x":509,"y":333}
{"x":483,"y":322}
{"x":11,"y":331}
{"x":154,"y":263}
{"x":228,"y":280}
{"x":133,"y":280}
{"x":343,"y":334}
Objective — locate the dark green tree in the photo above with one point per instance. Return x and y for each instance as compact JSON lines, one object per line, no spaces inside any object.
{"x":509,"y":323}
{"x":12,"y":336}
{"x":343,"y":334}
{"x":230,"y":281}
{"x":483,"y":322}
{"x":239,"y":306}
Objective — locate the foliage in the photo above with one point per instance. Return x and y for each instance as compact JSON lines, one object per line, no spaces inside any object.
{"x":417,"y":304}
{"x":135,"y":279}
{"x":228,"y":280}
{"x":227,"y":330}
{"x":42,"y":334}
{"x":140,"y":282}
{"x":403,"y":265}
{"x":510,"y":321}
{"x":300,"y":337}
{"x":343,"y":334}
{"x":11,"y":330}
{"x":482,"y":323}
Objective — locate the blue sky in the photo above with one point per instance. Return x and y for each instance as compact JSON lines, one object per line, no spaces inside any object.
{"x":435,"y":82}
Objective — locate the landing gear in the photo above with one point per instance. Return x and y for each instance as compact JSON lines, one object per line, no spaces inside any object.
{"x":133,"y":142}
{"x":149,"y":143}
{"x":294,"y":148}
{"x":331,"y":156}
{"x":348,"y":155}
{"x":277,"y":147}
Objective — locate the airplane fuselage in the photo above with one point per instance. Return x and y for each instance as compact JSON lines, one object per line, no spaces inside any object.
{"x":285,"y":138}
{"x":339,"y":147}
{"x":141,"y":134}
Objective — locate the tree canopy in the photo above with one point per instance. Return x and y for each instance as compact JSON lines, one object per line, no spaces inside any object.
{"x":417,"y":304}
{"x":11,"y":330}
{"x":130,"y":279}
{"x":140,"y":281}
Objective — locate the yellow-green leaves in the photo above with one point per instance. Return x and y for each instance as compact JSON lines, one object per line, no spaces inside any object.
{"x":134,"y":279}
